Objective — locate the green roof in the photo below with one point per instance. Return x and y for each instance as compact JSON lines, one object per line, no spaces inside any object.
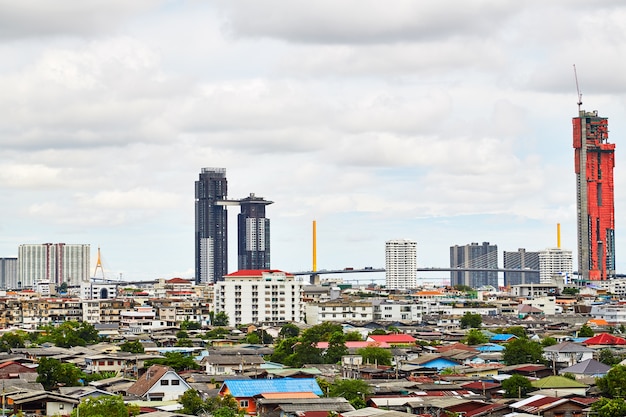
{"x":556,"y":381}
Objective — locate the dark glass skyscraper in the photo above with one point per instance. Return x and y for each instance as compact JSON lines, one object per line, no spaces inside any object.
{"x":474,"y":256}
{"x":254,"y":234}
{"x":523,"y":261}
{"x":211,"y":225}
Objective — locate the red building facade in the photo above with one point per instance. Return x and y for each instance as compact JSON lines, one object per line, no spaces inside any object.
{"x":594,"y":163}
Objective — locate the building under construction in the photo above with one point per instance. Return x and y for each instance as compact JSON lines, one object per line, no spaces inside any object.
{"x":594,"y":163}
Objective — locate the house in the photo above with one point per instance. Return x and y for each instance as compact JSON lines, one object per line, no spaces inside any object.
{"x":41,"y":403}
{"x":104,"y":363}
{"x":560,"y":384}
{"x":485,"y":388}
{"x":159,"y":383}
{"x":247,"y":391}
{"x":604,"y":340}
{"x":587,"y":368}
{"x":395,"y":339}
{"x":567,"y":353}
{"x":502,"y":338}
{"x":434,"y":361}
{"x":230,"y":364}
{"x":296,"y":407}
{"x":553,"y":406}
{"x":12,"y":370}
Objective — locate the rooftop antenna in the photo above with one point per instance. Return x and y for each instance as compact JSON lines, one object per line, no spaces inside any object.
{"x":580,"y":96}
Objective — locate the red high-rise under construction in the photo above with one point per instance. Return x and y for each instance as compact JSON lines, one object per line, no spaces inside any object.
{"x":594,"y":163}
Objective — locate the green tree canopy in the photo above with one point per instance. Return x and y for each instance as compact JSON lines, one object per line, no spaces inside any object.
{"x":613,"y":384}
{"x":522,"y":351}
{"x":585,"y":331}
{"x":353,"y":390}
{"x":190,"y":325}
{"x":52,"y":373}
{"x":289,"y":330}
{"x":548,"y":341}
{"x":175,"y":360}
{"x":570,"y":291}
{"x":475,"y":337}
{"x":516,"y":386}
{"x":607,"y":407}
{"x":353,"y":336}
{"x":105,"y":406}
{"x":375,"y":354}
{"x":336,"y":348}
{"x":471,"y":320}
{"x":11,"y":340}
{"x":220,"y":319}
{"x":194,"y":404}
{"x":182,"y":334}
{"x":518,"y":331}
{"x":132,"y":347}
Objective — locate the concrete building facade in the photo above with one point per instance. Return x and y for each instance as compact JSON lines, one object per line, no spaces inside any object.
{"x":400,"y":264}
{"x":53,"y":262}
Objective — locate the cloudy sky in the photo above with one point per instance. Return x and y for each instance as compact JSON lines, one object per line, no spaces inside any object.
{"x":446,"y":122}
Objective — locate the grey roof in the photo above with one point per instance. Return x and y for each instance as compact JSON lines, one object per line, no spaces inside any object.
{"x":568,"y":347}
{"x":587,"y":367}
{"x":293,"y":405}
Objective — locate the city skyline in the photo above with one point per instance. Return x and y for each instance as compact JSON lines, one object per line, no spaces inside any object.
{"x":402,"y":121}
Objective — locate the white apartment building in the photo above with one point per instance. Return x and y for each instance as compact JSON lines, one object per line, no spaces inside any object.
{"x":97,"y":291}
{"x":339,"y":311}
{"x":554,"y":261}
{"x":54,"y":262}
{"x":400,"y":264}
{"x":260,"y":296}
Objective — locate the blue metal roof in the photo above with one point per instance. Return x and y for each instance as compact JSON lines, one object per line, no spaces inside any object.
{"x":502,"y":337}
{"x":252,"y":387}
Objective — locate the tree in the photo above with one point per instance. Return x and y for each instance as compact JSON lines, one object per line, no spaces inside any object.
{"x":548,"y":341}
{"x":73,"y":333}
{"x":353,"y":390}
{"x":471,"y":320}
{"x":336,"y":348}
{"x":518,"y":331}
{"x":606,"y":407}
{"x":132,"y":347}
{"x":289,"y":330}
{"x":375,"y":354}
{"x":184,"y":342}
{"x":607,"y":357}
{"x":516,"y":386}
{"x":11,"y":340}
{"x":175,"y":360}
{"x":522,"y":351}
{"x":585,"y":331}
{"x":283,"y":350}
{"x":216,"y":333}
{"x":463,"y":288}
{"x":377,"y":332}
{"x":353,"y":336}
{"x":475,"y":337}
{"x":613,"y":384}
{"x":192,"y":402}
{"x":220,"y":319}
{"x":106,"y":405}
{"x":253,"y":338}
{"x":52,"y":373}
{"x":190,"y":325}
{"x":570,"y":291}
{"x":181,"y":334}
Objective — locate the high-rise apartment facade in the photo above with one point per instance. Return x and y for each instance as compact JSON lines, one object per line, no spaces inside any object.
{"x":400,"y":264}
{"x":211,"y":225}
{"x":554,"y":261}
{"x":257,"y":296}
{"x":253,"y":234}
{"x":594,"y":163}
{"x":8,"y":273}
{"x":474,"y":256}
{"x":523,"y":261}
{"x":53,"y":262}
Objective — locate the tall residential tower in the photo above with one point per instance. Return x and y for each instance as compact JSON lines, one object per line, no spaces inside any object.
{"x":254,"y":234}
{"x":594,"y":163}
{"x":211,"y":226}
{"x":400,"y":264}
{"x":54,"y":263}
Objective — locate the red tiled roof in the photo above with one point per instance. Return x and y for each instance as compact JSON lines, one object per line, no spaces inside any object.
{"x":605,"y":339}
{"x":481,"y":385}
{"x":147,"y":380}
{"x":393,"y":338}
{"x":355,"y":344}
{"x":530,"y":368}
{"x":460,"y":346}
{"x":178,"y":281}
{"x":255,"y":272}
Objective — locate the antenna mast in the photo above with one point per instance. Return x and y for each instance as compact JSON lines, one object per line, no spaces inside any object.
{"x":580,"y":96}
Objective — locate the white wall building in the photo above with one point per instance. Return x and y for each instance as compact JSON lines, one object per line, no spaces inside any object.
{"x":554,"y":261}
{"x":259,"y":296}
{"x":400,"y":264}
{"x":54,"y":262}
{"x":97,"y":291}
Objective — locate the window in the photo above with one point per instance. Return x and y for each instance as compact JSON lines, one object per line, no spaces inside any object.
{"x":243,"y":403}
{"x":175,"y":382}
{"x":165,"y":382}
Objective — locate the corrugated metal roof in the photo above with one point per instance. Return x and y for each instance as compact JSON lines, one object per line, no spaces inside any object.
{"x":252,"y":387}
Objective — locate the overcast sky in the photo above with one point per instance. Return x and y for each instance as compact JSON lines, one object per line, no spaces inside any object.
{"x":446,"y":122}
